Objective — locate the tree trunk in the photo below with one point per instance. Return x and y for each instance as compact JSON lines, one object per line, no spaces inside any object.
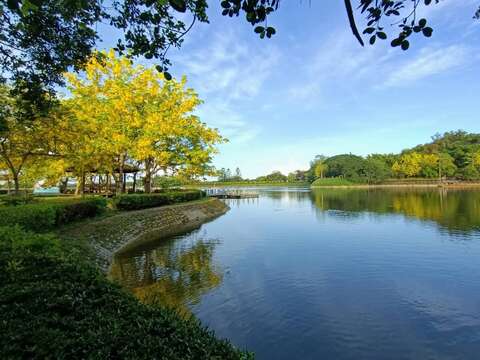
{"x":134,"y":182}
{"x":16,"y":182}
{"x":120,"y":187}
{"x":117,"y":187}
{"x":93,"y":186}
{"x":63,"y":185}
{"x":148,"y":180}
{"x":108,"y":185}
{"x":148,"y":177}
{"x":82,"y":185}
{"x":15,"y":176}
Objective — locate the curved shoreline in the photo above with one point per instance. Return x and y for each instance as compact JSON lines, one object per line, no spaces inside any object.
{"x":126,"y":230}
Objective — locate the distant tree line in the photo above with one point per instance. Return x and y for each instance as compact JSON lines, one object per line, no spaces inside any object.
{"x":226,"y":175}
{"x":453,"y":155}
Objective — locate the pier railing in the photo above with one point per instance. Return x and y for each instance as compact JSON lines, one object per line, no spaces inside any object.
{"x":230,"y":193}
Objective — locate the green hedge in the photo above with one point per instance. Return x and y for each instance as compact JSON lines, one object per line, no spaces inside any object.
{"x":46,"y":216}
{"x":143,"y":201}
{"x":55,"y":306}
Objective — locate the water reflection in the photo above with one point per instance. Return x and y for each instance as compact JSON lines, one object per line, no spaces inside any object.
{"x":456,"y":211}
{"x":173,"y":274}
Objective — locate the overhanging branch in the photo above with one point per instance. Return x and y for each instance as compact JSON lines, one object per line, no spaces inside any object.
{"x":351,"y":20}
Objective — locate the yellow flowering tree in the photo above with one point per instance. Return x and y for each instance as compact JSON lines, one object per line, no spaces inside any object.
{"x":129,"y":113}
{"x":409,"y":165}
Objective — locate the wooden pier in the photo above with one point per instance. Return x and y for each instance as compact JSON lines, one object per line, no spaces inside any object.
{"x":230,"y":194}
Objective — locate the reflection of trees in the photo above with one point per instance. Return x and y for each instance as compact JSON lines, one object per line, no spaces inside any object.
{"x":286,"y":195}
{"x":453,"y":210}
{"x":172,"y":274}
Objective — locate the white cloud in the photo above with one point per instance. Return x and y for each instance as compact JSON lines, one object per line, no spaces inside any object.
{"x":229,"y":74}
{"x":429,"y":62}
{"x":227,"y":67}
{"x":338,"y":63}
{"x":231,"y":123}
{"x":341,"y":56}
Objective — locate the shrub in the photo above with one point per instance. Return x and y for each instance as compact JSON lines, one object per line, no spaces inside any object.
{"x":46,"y":216}
{"x":14,"y":241}
{"x":20,"y":199}
{"x":79,"y":210}
{"x":59,"y":307}
{"x":143,"y":201}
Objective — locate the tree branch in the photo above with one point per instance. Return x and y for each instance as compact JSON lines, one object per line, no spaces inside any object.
{"x":351,"y":20}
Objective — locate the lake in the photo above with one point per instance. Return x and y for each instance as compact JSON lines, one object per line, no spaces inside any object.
{"x":327,"y":274}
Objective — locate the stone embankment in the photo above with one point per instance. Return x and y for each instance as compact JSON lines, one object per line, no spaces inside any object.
{"x":126,"y":230}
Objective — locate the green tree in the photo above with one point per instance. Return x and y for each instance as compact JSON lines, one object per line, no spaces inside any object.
{"x":348,"y":166}
{"x":470,"y":172}
{"x":320,"y":169}
{"x":275,"y":176}
{"x":429,"y":164}
{"x":446,"y":165}
{"x":35,"y":57}
{"x":238,"y":173}
{"x":375,"y":170}
{"x":222,"y":175}
{"x":237,"y":176}
{"x":310,"y":175}
{"x":22,"y":138}
{"x":387,"y":159}
{"x":291,"y":177}
{"x":297,"y":175}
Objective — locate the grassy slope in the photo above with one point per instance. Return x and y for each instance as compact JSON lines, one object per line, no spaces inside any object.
{"x":332,"y":182}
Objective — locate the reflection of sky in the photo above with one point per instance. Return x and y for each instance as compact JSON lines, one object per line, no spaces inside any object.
{"x":347,"y":216}
{"x":364,"y":287}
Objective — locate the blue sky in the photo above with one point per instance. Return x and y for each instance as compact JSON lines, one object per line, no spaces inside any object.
{"x":312,"y":89}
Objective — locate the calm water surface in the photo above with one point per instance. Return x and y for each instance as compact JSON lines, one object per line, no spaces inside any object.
{"x":327,"y":274}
